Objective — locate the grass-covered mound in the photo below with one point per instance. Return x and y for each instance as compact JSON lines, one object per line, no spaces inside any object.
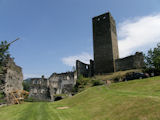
{"x":116,"y":75}
{"x":84,"y":83}
{"x":133,"y":100}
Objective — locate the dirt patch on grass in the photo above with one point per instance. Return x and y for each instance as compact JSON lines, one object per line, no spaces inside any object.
{"x":61,"y":108}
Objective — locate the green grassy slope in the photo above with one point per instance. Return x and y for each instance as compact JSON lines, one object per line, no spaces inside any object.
{"x":134,"y":100}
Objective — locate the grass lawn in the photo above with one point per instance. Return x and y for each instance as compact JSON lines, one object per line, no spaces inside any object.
{"x":133,"y":100}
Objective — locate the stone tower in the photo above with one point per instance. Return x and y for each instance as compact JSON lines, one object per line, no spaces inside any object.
{"x":105,"y":43}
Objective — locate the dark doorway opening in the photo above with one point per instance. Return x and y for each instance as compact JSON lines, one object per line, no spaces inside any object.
{"x":58,"y":98}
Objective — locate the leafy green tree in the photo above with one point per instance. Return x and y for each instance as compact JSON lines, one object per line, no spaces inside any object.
{"x":152,"y":59}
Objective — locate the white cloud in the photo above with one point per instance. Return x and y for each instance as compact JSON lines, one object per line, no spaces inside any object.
{"x":138,"y":33}
{"x":71,"y":60}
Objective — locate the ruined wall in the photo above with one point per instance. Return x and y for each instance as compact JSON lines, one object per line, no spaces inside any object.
{"x":82,"y":69}
{"x":56,"y":84}
{"x":104,"y":43}
{"x":86,"y":70}
{"x":39,"y":89}
{"x":12,"y":77}
{"x":62,"y":83}
{"x":131,"y":62}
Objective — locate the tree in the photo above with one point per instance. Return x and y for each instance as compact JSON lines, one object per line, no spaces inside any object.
{"x":152,"y":59}
{"x":4,"y":53}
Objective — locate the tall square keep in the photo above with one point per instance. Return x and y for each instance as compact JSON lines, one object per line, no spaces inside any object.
{"x":105,"y":43}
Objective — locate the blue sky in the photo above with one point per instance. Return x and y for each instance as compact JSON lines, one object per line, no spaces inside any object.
{"x":56,"y":32}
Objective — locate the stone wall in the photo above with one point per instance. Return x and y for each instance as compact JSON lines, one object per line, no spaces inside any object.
{"x":11,"y":78}
{"x":86,"y":70}
{"x":56,"y":84}
{"x":131,"y":62}
{"x":39,"y":89}
{"x":62,"y":83}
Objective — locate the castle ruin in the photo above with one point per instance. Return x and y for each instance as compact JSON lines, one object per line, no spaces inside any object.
{"x":106,"y":60}
{"x":57,"y":84}
{"x":106,"y":53}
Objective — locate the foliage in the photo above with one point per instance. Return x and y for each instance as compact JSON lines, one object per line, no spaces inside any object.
{"x":80,"y":84}
{"x":4,"y":53}
{"x":2,"y":96}
{"x":96,"y":82}
{"x":84,"y":83}
{"x":152,"y":59}
{"x":26,"y":85}
{"x":1,"y":69}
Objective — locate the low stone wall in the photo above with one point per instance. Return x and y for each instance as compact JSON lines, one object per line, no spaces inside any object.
{"x":131,"y":62}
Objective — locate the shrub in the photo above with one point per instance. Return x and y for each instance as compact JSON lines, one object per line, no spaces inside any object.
{"x":81,"y":84}
{"x":96,"y":82}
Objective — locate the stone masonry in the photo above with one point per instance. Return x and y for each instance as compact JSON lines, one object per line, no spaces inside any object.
{"x":57,"y":84}
{"x":130,"y":62}
{"x":62,"y":83}
{"x":106,"y":60}
{"x":39,"y":89}
{"x":12,"y":77}
{"x":87,"y":70}
{"x":106,"y":53}
{"x":104,"y":43}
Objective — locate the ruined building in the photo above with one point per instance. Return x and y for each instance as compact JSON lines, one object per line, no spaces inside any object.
{"x":11,"y":77}
{"x":39,"y":89}
{"x":55,"y":85}
{"x":106,"y":53}
{"x":106,"y":60}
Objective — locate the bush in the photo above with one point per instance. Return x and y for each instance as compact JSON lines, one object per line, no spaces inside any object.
{"x":81,"y":84}
{"x":26,"y":85}
{"x":2,"y":97}
{"x":96,"y":82}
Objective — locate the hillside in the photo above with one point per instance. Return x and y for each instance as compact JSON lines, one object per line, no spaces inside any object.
{"x":133,"y":100}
